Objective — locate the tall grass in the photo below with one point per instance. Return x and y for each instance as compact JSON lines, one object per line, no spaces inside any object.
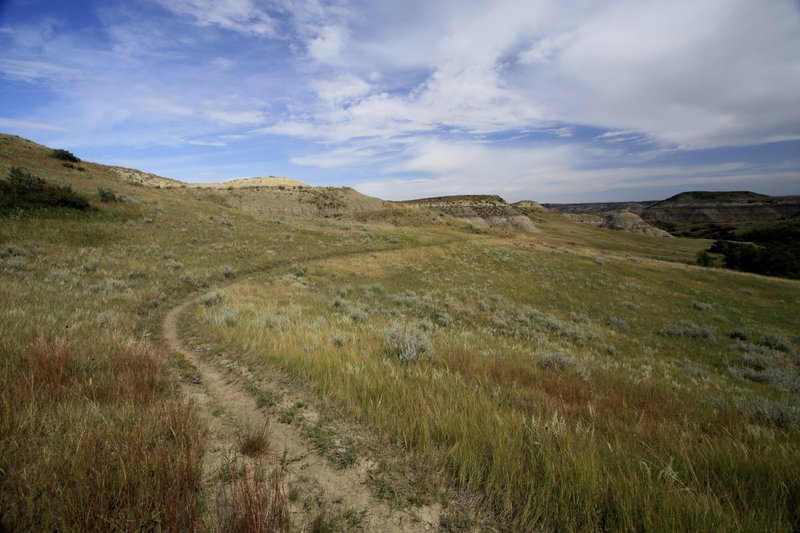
{"x":618,"y":442}
{"x":93,"y":438}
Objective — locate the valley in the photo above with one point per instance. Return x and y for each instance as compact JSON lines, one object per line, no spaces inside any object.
{"x":272,"y":356}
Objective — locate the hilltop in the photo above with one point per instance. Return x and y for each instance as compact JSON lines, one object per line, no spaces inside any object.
{"x":266,"y":181}
{"x":483,"y":211}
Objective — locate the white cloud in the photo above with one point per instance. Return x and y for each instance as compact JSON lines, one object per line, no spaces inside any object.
{"x":701,"y":74}
{"x":238,"y":15}
{"x":30,"y":70}
{"x":440,"y":167}
{"x":342,"y":89}
{"x":328,"y":45}
{"x":339,"y":157}
{"x":239,"y":117}
{"x":550,"y":173}
{"x":718,"y":72}
{"x":14,"y":124}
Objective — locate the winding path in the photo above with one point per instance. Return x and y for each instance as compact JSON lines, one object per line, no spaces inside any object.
{"x":229,"y":411}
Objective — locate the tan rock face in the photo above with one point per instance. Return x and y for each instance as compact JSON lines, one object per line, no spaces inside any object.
{"x":619,"y":220}
{"x":327,"y":202}
{"x":481,"y":211}
{"x":627,"y":221}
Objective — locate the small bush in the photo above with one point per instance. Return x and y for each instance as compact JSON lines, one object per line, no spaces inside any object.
{"x":780,"y":414}
{"x":739,"y":334}
{"x":228,"y":272}
{"x":618,"y":325}
{"x":784,"y":378}
{"x":18,"y":263}
{"x":356,"y":314}
{"x":425,"y":325}
{"x":444,"y":319}
{"x":229,"y":316}
{"x":690,"y":368}
{"x":107,"y":195}
{"x":777,"y":342}
{"x":688,"y":329}
{"x":211,"y":298}
{"x":254,"y":443}
{"x":264,"y":397}
{"x":64,"y":155}
{"x":338,"y":341}
{"x":407,"y":343}
{"x":703,"y":306}
{"x":558,"y":361}
{"x":12,"y":250}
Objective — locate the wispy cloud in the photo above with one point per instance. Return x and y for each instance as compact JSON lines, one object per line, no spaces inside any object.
{"x":238,"y":15}
{"x":28,"y":125}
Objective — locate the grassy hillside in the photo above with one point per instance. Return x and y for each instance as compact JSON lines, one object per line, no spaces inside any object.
{"x":573,"y":379}
{"x":94,"y":432}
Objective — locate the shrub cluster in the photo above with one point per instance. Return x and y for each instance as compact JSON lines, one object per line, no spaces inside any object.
{"x":22,"y":189}
{"x":64,"y":155}
{"x":688,"y":329}
{"x":407,"y":343}
{"x":107,"y":195}
{"x":775,"y":252}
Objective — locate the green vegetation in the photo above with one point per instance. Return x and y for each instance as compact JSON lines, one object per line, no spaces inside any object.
{"x":574,"y":379}
{"x":23,"y":190}
{"x":559,"y":416}
{"x":64,"y":155}
{"x":776,"y":252}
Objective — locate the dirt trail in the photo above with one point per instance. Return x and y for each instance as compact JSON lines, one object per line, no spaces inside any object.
{"x":222,"y":399}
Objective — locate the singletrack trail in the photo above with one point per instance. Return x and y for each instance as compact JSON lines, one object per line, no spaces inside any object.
{"x":220,"y":395}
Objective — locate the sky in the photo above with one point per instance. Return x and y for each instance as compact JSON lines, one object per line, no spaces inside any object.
{"x":546,"y":100}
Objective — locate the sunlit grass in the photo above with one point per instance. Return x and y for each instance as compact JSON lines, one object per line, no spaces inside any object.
{"x":636,"y":430}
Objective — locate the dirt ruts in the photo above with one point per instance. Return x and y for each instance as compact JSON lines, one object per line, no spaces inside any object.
{"x":229,"y":411}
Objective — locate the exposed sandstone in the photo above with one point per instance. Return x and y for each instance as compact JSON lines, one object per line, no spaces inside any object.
{"x":481,"y":211}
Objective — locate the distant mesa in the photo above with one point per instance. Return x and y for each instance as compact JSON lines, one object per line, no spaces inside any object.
{"x":701,"y":207}
{"x":687,"y":209}
{"x":483,"y":211}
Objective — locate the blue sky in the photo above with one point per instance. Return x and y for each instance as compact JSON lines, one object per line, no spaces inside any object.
{"x":549,"y":100}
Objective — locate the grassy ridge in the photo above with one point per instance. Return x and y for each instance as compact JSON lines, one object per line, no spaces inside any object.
{"x":573,"y":393}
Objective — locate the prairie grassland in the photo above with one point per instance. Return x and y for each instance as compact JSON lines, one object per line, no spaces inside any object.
{"x":572,"y":392}
{"x":94,"y":434}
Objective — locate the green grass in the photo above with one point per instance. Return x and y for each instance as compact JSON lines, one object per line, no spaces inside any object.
{"x":95,"y":434}
{"x":551,"y":389}
{"x":641,"y":431}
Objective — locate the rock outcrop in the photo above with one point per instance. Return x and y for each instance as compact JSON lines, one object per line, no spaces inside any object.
{"x":619,"y":220}
{"x":479,"y":210}
{"x":688,"y":209}
{"x":326,"y":202}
